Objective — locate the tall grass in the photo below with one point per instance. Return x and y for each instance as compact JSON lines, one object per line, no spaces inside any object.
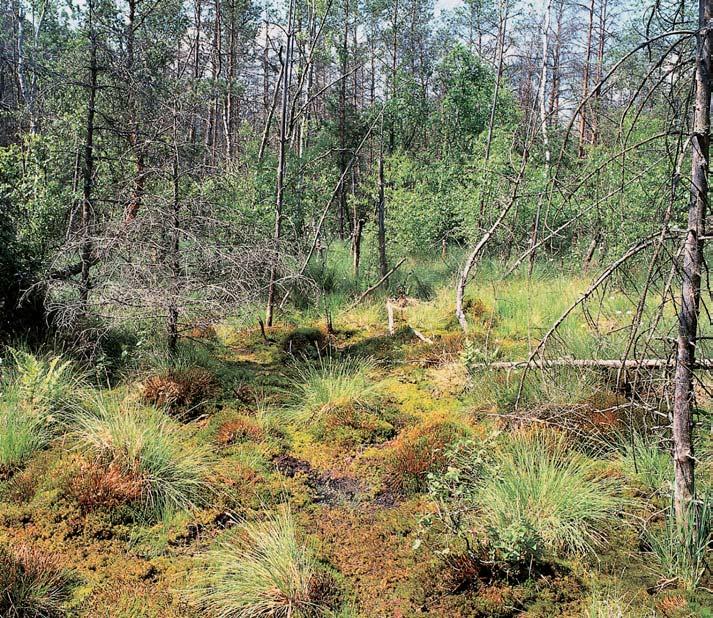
{"x":42,"y":385}
{"x":259,"y":569}
{"x":146,"y":443}
{"x":33,"y":399}
{"x":32,"y":585}
{"x":537,"y":494}
{"x":681,"y":552}
{"x":22,"y":433}
{"x":320,"y":388}
{"x":643,"y":459}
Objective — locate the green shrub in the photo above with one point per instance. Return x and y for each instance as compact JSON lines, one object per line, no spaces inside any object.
{"x":333,"y":383}
{"x":39,"y":384}
{"x":145,"y":443}
{"x":681,"y":552}
{"x":262,"y":569}
{"x":32,"y":585}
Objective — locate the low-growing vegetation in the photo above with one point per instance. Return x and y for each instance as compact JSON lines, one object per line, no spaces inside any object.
{"x":136,"y":450}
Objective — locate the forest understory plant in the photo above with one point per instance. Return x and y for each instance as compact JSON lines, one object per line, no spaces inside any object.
{"x":529,"y":498}
{"x":682,"y":553}
{"x":332,"y":384}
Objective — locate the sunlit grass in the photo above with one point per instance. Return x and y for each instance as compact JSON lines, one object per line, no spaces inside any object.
{"x":259,"y":569}
{"x":332,"y":383}
{"x":146,"y":443}
{"x":538,"y":490}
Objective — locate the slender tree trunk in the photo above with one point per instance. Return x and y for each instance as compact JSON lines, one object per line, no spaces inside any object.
{"x":381,"y":214}
{"x":280,"y":183}
{"x":556,"y":81}
{"x":174,"y":250}
{"x":599,"y":72}
{"x":683,"y":459}
{"x":542,"y":91}
{"x":135,"y":141}
{"x":585,"y":81}
{"x":342,"y":198}
{"x":502,"y":25}
{"x":88,"y":170}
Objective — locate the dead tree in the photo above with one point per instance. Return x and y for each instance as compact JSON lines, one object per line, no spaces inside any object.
{"x":683,"y":458}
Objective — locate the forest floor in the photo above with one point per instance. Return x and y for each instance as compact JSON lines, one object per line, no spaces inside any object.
{"x":356,"y":483}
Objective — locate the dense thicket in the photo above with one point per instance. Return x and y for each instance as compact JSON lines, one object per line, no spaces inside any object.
{"x":175,"y":159}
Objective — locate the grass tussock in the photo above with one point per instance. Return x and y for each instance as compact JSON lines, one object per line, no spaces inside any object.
{"x":263,"y":569}
{"x":140,"y":443}
{"x":32,"y":584}
{"x":644,"y":460}
{"x":321,"y":388}
{"x":681,"y":551}
{"x":539,"y":492}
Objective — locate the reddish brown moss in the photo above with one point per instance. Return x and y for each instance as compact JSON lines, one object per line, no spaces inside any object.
{"x":104,"y":487}
{"x":239,"y":429}
{"x":419,"y":451}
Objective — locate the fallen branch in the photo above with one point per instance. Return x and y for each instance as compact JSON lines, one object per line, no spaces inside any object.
{"x":375,"y":286}
{"x":646,"y":363}
{"x":420,"y":335}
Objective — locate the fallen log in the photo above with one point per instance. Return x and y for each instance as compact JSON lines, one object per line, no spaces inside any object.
{"x":644,"y":363}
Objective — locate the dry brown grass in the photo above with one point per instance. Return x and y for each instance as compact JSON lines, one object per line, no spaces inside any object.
{"x":182,"y":392}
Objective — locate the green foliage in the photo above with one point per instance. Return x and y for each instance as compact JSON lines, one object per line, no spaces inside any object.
{"x":330,"y":384}
{"x":146,"y":443}
{"x":681,"y":550}
{"x":644,"y":459}
{"x":22,"y":433}
{"x":532,"y":495}
{"x":468,"y":88}
{"x":35,"y":395}
{"x":42,"y":385}
{"x":259,"y":569}
{"x":540,"y":487}
{"x":32,"y":585}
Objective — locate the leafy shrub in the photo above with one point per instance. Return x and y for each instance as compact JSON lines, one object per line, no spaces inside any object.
{"x":182,"y":392}
{"x":333,"y":383}
{"x":262,"y":569}
{"x":418,"y":452}
{"x":32,"y":585}
{"x":681,"y":551}
{"x":146,"y":444}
